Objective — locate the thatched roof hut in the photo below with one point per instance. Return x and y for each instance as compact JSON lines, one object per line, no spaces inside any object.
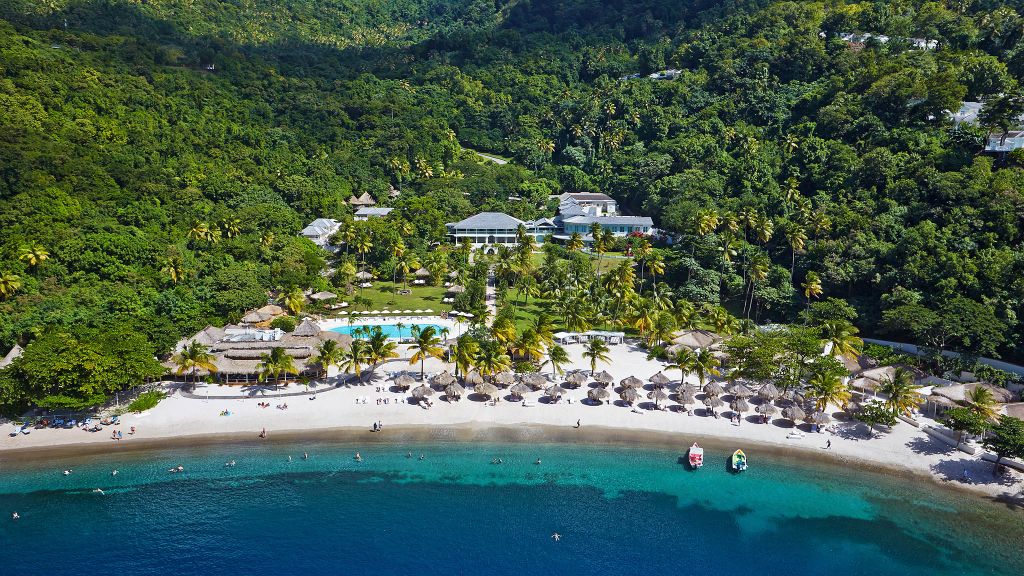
{"x":454,"y":390}
{"x":504,"y":378}
{"x":768,"y":392}
{"x":520,"y":389}
{"x":659,"y":379}
{"x":486,"y":389}
{"x":442,"y":379}
{"x":631,"y":382}
{"x":598,"y":394}
{"x":740,"y":406}
{"x":766,"y":408}
{"x":794,"y":413}
{"x":473,"y":378}
{"x":576,"y":378}
{"x":403,"y":381}
{"x":422,"y":391}
{"x":713,"y":389}
{"x":741,"y":391}
{"x":629,"y":395}
{"x":604,"y":377}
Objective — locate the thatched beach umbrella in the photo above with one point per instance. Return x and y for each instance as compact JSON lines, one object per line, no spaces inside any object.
{"x":486,"y":389}
{"x":519,"y":389}
{"x":454,"y":390}
{"x":794,"y":413}
{"x":473,"y":378}
{"x":766,"y":408}
{"x":631,"y":382}
{"x":422,"y":391}
{"x":658,"y":395}
{"x":629,"y":395}
{"x":534,"y":380}
{"x":575,"y":378}
{"x":768,"y":392}
{"x":659,"y":379}
{"x":404,"y":381}
{"x":422,"y":273}
{"x":364,"y":275}
{"x":604,"y":377}
{"x":686,"y":389}
{"x":443,"y":379}
{"x":456,"y":289}
{"x":741,"y":391}
{"x":794,"y":397}
{"x":453,"y":274}
{"x":598,"y":394}
{"x":740,"y":406}
{"x":686,"y":397}
{"x":713,"y":389}
{"x":555,"y":391}
{"x":713,"y":402}
{"x":818,"y":418}
{"x":504,"y":378}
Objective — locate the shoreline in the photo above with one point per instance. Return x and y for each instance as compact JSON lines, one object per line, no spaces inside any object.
{"x":485,"y":432}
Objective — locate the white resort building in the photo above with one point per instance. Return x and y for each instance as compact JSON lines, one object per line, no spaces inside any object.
{"x":320,"y":231}
{"x":577,"y":212}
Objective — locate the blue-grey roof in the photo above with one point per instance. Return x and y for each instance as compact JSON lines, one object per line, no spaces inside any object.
{"x":498,"y":220}
{"x":611,"y":220}
{"x":373,"y":211}
{"x":320,"y":226}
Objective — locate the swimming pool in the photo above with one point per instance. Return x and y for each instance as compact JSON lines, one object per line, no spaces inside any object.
{"x":389,"y":330}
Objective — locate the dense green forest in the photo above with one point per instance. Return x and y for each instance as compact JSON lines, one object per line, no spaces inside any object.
{"x":157,"y":159}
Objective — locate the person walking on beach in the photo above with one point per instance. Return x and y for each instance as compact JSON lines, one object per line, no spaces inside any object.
{"x":263,"y":433}
{"x":577,"y":423}
{"x":828,"y":444}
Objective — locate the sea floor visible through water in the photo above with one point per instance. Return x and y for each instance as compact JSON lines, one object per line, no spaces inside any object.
{"x":617,"y":510}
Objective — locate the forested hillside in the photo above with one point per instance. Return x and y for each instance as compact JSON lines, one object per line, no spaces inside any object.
{"x":157,"y":159}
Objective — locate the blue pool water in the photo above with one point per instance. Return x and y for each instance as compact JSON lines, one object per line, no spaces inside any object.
{"x":389,"y":330}
{"x":619,"y":511}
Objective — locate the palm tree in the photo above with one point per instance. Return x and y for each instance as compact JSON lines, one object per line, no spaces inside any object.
{"x":424,"y":169}
{"x":174,"y":269}
{"x":405,"y":264}
{"x":643,"y":315}
{"x":575,"y":243}
{"x":684,"y":360}
{"x":797,"y":238}
{"x":641,"y":251}
{"x":275,"y":363}
{"x":492,"y":358}
{"x":828,"y":388}
{"x":328,"y":354}
{"x":599,"y":245}
{"x":231,"y":227}
{"x":765,"y":228}
{"x":503,"y":330}
{"x":596,"y":350}
{"x":363,"y":244}
{"x":981,"y":401}
{"x":293,"y":299}
{"x":557,"y":357}
{"x":352,"y":360}
{"x":543,"y":328}
{"x":466,"y":351}
{"x":902,"y":393}
{"x":843,"y":337}
{"x":528,"y":346}
{"x":399,"y":326}
{"x":267,"y":239}
{"x":379,"y":347}
{"x":705,"y":364}
{"x":193,"y":357}
{"x":33,"y":255}
{"x":812,"y":287}
{"x":427,"y":344}
{"x":198,"y":231}
{"x":664,"y":327}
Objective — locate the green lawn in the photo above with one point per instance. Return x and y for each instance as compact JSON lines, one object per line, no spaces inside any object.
{"x":608,"y":261}
{"x":385,"y":295}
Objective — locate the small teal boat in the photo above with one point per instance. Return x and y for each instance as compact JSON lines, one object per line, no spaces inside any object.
{"x":739,"y":461}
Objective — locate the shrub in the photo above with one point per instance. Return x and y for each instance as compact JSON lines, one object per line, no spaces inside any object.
{"x":146,"y":401}
{"x":286,"y":323}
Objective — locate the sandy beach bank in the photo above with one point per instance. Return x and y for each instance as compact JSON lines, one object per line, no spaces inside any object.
{"x":347,"y":414}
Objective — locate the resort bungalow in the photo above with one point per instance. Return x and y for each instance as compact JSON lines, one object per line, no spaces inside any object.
{"x":371,"y":212}
{"x":587,"y":204}
{"x":237,"y":350}
{"x":364,"y":200}
{"x":320,"y":231}
{"x":614,"y":225}
{"x":492,"y":229}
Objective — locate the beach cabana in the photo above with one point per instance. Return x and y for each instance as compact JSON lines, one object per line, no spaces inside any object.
{"x":598,"y":394}
{"x":403,"y":381}
{"x":713,"y":389}
{"x":713,"y":402}
{"x":659,"y":379}
{"x":485,"y":389}
{"x":453,"y":391}
{"x":604,"y":377}
{"x":629,"y":395}
{"x":658,"y":395}
{"x":740,"y":406}
{"x":631,"y":382}
{"x":504,"y":378}
{"x":473,"y":378}
{"x":741,"y":391}
{"x":576,"y":378}
{"x":519,"y":389}
{"x":565,"y":337}
{"x":794,"y":413}
{"x":534,"y":380}
{"x":443,"y":379}
{"x":768,"y":392}
{"x":422,"y":391}
{"x":818,"y":418}
{"x":555,"y":392}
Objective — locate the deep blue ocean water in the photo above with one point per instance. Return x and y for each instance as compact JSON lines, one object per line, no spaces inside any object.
{"x":619,"y":511}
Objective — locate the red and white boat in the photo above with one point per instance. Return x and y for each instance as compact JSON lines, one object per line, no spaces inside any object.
{"x":696,"y":456}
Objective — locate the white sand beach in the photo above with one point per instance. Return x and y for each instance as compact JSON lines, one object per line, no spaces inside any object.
{"x":357,"y":406}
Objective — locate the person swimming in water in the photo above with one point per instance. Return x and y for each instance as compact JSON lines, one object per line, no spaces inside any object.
{"x":305,"y":456}
{"x":289,"y":458}
{"x":68,"y":472}
{"x":538,"y":461}
{"x":15,"y":516}
{"x":421,"y":457}
{"x":358,"y":458}
{"x":556,"y":536}
{"x":113,"y":472}
{"x":99,"y":491}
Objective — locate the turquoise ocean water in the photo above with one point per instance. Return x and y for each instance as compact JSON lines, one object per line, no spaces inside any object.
{"x":618,"y":510}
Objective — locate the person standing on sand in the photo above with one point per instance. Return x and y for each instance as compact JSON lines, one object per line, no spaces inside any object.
{"x":577,"y":423}
{"x":828,"y":444}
